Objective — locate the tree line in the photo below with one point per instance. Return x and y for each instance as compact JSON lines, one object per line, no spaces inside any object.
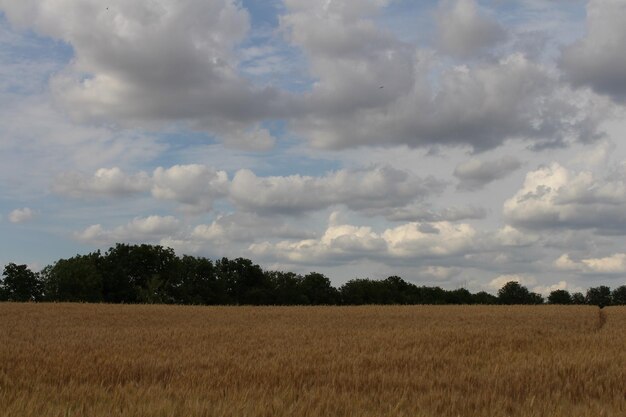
{"x":155,"y":274}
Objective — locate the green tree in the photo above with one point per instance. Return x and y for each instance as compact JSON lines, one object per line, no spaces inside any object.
{"x":578,"y":298}
{"x":514,"y":293}
{"x":536,"y":298}
{"x":619,"y":295}
{"x":483,"y":297}
{"x":318,"y":290}
{"x":363,"y":291}
{"x":75,"y":279}
{"x":560,"y":297}
{"x":397,"y":290}
{"x":244,"y":281}
{"x":136,"y":273}
{"x":20,"y":284}
{"x":198,"y":283}
{"x":599,"y":296}
{"x":153,"y":291}
{"x":459,"y":296}
{"x":430,"y":295}
{"x":286,"y":288}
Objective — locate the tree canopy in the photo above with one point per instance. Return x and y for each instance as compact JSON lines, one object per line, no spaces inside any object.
{"x":19,"y":283}
{"x":155,"y":274}
{"x":560,"y":297}
{"x":514,"y":293}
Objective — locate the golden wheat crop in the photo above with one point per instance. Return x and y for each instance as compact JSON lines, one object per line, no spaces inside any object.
{"x":122,"y":360}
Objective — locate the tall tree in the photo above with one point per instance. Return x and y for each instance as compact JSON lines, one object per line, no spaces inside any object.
{"x":599,"y":296}
{"x":318,"y":289}
{"x":198,"y":283}
{"x":19,"y":283}
{"x":363,"y":291}
{"x":431,"y":295}
{"x":484,"y":297}
{"x":397,"y":290}
{"x":578,"y":298}
{"x":619,"y":295}
{"x":75,"y":279}
{"x":514,"y":293}
{"x":286,"y":288}
{"x":245,"y":281}
{"x":138,"y":273}
{"x":560,"y":297}
{"x":459,"y":296}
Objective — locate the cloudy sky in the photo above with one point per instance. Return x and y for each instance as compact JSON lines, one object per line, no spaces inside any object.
{"x":453,"y":143}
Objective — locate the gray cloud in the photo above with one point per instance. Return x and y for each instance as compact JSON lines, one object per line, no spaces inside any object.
{"x":366,"y":190}
{"x":349,"y":55}
{"x":463,"y":31}
{"x":420,"y":213}
{"x":21,"y":215}
{"x":479,"y":106}
{"x":148,"y":63}
{"x":105,"y":182}
{"x":598,"y":60}
{"x":475,"y":174}
{"x":154,"y":61}
{"x":195,"y":187}
{"x":37,"y":135}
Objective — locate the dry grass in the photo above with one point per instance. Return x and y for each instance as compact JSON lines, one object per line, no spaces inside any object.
{"x":105,"y":360}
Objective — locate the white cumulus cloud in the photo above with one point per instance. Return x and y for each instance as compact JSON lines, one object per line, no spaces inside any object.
{"x":556,"y":197}
{"x":139,"y":229}
{"x":499,"y":281}
{"x":245,"y":227}
{"x":345,"y":241}
{"x":612,"y":264}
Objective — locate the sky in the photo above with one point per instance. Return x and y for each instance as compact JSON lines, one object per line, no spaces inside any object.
{"x":457,"y":143}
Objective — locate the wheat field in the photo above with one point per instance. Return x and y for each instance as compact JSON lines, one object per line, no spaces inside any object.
{"x":140,"y":360}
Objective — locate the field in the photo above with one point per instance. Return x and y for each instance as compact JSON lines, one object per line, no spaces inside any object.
{"x":139,"y":360}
